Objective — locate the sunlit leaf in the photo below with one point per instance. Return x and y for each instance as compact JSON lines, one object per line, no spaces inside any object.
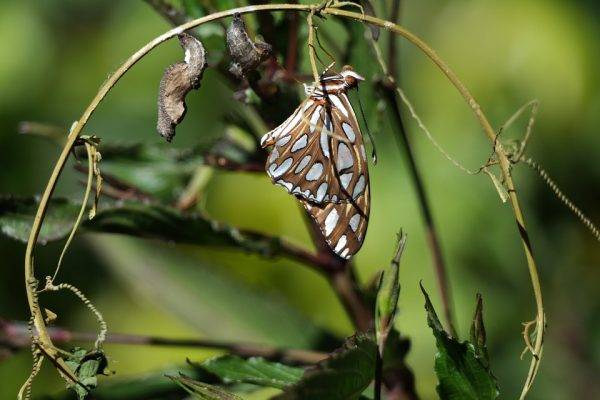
{"x":158,"y":170}
{"x":203,"y":391}
{"x":168,"y":224}
{"x":461,"y":373}
{"x":130,"y":218}
{"x":256,"y":370}
{"x":17,"y":213}
{"x":151,"y":385}
{"x":344,"y":375}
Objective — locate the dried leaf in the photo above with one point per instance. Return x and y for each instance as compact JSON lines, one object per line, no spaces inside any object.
{"x":175,"y":84}
{"x":246,"y":55}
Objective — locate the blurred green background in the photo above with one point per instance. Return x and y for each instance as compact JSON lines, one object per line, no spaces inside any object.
{"x":55,"y":54}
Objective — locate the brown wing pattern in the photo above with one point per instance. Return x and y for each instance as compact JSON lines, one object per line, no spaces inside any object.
{"x":319,"y":156}
{"x":315,"y":159}
{"x":344,"y":225}
{"x":300,"y":160}
{"x":348,"y":150}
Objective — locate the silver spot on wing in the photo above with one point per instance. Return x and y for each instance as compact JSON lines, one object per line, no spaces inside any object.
{"x":321,"y":191}
{"x":283,"y":140}
{"x":300,"y":143}
{"x":287,"y":185}
{"x":324,"y":142}
{"x":349,"y":132}
{"x":359,"y":187}
{"x":277,"y":171}
{"x":331,"y":221}
{"x":340,"y":244}
{"x":274,"y":155}
{"x":314,"y":118}
{"x":303,"y":163}
{"x":354,"y":221}
{"x":344,"y":157}
{"x":314,"y":172}
{"x":345,"y":179}
{"x":338,"y":104}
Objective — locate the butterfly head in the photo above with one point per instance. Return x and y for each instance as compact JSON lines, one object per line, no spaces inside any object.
{"x":351,"y":78}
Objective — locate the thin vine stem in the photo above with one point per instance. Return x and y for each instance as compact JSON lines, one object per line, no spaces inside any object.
{"x":391,"y":92}
{"x":504,"y":163}
{"x":43,"y":337}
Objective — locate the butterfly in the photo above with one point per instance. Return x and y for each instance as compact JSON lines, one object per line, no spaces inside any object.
{"x":319,"y":156}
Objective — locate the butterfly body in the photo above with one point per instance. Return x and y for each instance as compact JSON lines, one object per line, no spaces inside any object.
{"x":318,"y":156}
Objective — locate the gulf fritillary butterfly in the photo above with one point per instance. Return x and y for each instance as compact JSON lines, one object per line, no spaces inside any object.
{"x":319,"y":157}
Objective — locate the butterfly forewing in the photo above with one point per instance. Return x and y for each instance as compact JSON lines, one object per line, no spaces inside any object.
{"x":300,"y":160}
{"x":318,"y":152}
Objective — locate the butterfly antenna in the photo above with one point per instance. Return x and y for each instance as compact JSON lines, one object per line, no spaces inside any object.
{"x":362,"y":113}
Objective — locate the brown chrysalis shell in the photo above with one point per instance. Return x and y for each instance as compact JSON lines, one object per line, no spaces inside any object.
{"x":246,"y":54}
{"x":177,"y":81}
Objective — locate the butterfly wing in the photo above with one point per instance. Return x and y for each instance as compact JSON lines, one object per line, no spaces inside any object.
{"x":343,"y":225}
{"x":300,"y":160}
{"x":319,"y":156}
{"x":318,"y":151}
{"x":348,"y":150}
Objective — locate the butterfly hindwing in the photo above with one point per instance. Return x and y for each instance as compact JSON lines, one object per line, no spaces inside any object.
{"x":343,"y":225}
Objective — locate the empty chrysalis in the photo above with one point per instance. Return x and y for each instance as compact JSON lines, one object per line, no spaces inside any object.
{"x":177,"y":81}
{"x":246,"y":54}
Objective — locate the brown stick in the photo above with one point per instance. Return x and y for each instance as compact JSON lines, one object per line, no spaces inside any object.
{"x":15,"y":336}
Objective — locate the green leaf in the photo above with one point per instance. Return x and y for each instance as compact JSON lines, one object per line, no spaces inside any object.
{"x":86,"y":366}
{"x":192,"y":8}
{"x":151,"y":385}
{"x":196,"y":293}
{"x":344,"y":375}
{"x":236,"y":145}
{"x":462,"y":374}
{"x":17,"y":213}
{"x":395,"y":351}
{"x":386,"y":302}
{"x":478,"y":336}
{"x":157,"y":170}
{"x":255,"y":370}
{"x":168,"y":224}
{"x":203,"y":391}
{"x":130,"y":218}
